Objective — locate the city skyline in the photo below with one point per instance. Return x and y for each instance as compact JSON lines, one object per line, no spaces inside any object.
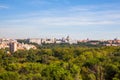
{"x":80,"y":19}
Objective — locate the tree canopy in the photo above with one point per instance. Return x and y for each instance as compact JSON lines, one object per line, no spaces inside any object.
{"x":61,"y":62}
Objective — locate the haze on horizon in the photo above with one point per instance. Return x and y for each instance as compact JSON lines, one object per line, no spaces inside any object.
{"x":81,"y":19}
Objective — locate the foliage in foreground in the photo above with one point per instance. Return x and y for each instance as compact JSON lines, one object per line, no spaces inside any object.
{"x":61,"y":63}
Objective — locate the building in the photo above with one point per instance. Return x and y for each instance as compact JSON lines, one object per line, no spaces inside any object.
{"x":58,"y":41}
{"x":22,"y":46}
{"x":13,"y":47}
{"x":35,"y":40}
{"x":4,"y":45}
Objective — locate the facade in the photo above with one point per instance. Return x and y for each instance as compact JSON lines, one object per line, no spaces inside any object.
{"x":25,"y":46}
{"x":35,"y":40}
{"x":13,"y":47}
{"x":4,"y":45}
{"x":48,"y":40}
{"x":52,"y":40}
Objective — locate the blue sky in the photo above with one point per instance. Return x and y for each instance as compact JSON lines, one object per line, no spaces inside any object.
{"x":81,"y":19}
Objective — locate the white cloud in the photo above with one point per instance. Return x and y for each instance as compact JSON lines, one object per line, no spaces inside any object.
{"x":3,"y":7}
{"x":58,"y":18}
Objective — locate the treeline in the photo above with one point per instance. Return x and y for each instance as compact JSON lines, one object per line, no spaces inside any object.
{"x":63,"y":62}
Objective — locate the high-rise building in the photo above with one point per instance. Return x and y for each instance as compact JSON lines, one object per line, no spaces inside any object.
{"x":13,"y":47}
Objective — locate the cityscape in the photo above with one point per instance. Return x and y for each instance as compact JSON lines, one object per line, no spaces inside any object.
{"x":59,"y":39}
{"x":15,"y":44}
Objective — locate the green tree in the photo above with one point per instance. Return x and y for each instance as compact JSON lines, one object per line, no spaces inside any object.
{"x":9,"y":76}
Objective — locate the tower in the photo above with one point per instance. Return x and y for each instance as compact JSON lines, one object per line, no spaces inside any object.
{"x":13,"y":47}
{"x":68,"y":38}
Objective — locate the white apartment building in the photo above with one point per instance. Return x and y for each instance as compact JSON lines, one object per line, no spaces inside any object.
{"x":35,"y":40}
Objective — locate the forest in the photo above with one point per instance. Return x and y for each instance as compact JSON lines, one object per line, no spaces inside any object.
{"x":61,"y":62}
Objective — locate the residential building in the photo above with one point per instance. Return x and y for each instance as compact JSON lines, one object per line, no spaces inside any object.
{"x":13,"y":47}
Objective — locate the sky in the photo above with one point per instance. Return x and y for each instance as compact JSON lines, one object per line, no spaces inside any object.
{"x":80,"y":19}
